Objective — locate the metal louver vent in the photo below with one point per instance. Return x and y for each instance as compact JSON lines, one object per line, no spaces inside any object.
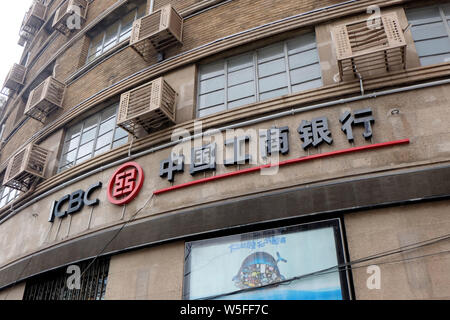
{"x":35,"y":17}
{"x":157,"y":31}
{"x":16,"y":77}
{"x":73,"y":9}
{"x":149,"y":107}
{"x":366,"y":49}
{"x":25,"y":167}
{"x":45,"y":98}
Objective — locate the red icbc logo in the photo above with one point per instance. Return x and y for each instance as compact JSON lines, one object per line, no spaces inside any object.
{"x":125,"y":183}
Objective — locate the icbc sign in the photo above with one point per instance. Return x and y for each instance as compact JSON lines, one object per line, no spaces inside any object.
{"x":125,"y":183}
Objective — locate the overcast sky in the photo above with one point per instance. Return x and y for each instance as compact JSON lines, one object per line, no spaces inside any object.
{"x":11,"y":16}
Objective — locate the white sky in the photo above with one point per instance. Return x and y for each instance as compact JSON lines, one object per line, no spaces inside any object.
{"x":11,"y":16}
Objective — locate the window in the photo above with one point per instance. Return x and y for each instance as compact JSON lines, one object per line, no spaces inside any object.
{"x":430,"y":28}
{"x":115,"y":33}
{"x":7,"y":195}
{"x":232,"y":267}
{"x":91,"y":137}
{"x":273,"y":71}
{"x":53,"y":285}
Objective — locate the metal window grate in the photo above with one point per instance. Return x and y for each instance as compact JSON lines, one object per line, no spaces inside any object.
{"x":53,"y":285}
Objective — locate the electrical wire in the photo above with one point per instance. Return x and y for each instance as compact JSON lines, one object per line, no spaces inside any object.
{"x":116,"y":235}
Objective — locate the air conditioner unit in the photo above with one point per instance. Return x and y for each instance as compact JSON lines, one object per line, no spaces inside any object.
{"x":25,"y":167}
{"x":149,"y":107}
{"x":76,"y":10}
{"x":35,"y":17}
{"x":15,"y":78}
{"x":45,"y":98}
{"x":369,"y":47}
{"x":157,"y":31}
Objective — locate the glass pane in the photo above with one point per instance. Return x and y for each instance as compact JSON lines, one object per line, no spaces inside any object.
{"x":303,"y":43}
{"x":12,"y":195}
{"x":107,"y":126}
{"x":433,"y":46}
{"x":88,"y":136}
{"x":141,"y":10}
{"x":90,"y":123}
{"x":212,"y":84}
{"x":111,"y":36}
{"x":270,"y":53}
{"x":423,"y":15}
{"x":304,"y":74}
{"x":120,"y":134}
{"x":266,"y":258}
{"x":208,"y":111}
{"x":211,"y":70}
{"x":428,"y":31}
{"x":3,"y":202}
{"x":212,"y":99}
{"x":68,"y":157}
{"x":273,"y":82}
{"x":120,"y":142}
{"x":303,"y":59}
{"x":427,"y":61}
{"x":68,"y":166}
{"x":71,"y":145}
{"x":241,"y":91}
{"x":240,"y":62}
{"x":96,"y":44}
{"x":241,"y":102}
{"x":102,"y":150}
{"x":272,"y":67}
{"x":273,"y":94}
{"x":109,"y":112}
{"x":307,"y":85}
{"x":73,"y":131}
{"x":104,"y":140}
{"x":85,"y":150}
{"x":80,"y":160}
{"x":241,"y":76}
{"x":127,"y":22}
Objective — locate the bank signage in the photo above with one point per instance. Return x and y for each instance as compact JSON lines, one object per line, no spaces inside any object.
{"x":123,"y":187}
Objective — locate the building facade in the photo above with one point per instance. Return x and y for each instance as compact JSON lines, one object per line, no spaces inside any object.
{"x":199,"y":149}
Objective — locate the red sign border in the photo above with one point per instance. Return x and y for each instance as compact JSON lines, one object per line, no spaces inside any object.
{"x":136,"y":190}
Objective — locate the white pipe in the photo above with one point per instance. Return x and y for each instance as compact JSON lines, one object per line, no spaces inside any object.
{"x":232,"y":126}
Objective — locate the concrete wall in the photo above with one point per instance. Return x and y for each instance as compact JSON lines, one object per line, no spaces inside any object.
{"x":14,"y":293}
{"x":147,"y":274}
{"x":381,"y":230}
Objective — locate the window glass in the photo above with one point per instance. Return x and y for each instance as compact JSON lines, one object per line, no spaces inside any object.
{"x":7,"y":195}
{"x":235,"y":267}
{"x":92,"y":136}
{"x":259,"y":75}
{"x":116,"y":32}
{"x":431,"y":33}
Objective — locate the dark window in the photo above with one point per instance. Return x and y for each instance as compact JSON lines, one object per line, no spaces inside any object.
{"x":53,"y":285}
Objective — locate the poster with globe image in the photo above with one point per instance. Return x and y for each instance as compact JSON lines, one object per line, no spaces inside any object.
{"x":262,"y":265}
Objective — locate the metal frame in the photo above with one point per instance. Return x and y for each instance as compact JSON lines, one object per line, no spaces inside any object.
{"x":102,"y":51}
{"x":257,"y":78}
{"x":61,"y":166}
{"x":53,"y":284}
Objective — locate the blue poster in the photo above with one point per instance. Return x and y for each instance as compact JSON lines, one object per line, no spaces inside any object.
{"x":218,"y":268}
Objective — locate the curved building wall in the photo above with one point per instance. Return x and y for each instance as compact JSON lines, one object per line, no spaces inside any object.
{"x":381,"y":192}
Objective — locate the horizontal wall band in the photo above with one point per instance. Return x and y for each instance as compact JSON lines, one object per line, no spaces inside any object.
{"x":146,"y":146}
{"x":354,"y":194}
{"x":282,"y":164}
